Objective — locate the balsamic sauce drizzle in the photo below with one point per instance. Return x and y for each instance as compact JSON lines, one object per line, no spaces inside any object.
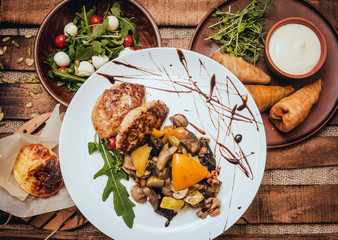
{"x":212,"y":86}
{"x":134,"y":67}
{"x":197,"y":129}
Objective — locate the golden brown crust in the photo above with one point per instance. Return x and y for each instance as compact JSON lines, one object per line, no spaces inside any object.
{"x":113,"y":105}
{"x":139,"y":123}
{"x":266,"y":96}
{"x":245,"y":72}
{"x":291,"y":111}
{"x":37,"y":170}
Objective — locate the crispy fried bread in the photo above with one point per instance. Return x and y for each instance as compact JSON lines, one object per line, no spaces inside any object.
{"x":138,"y":123}
{"x":113,"y":105}
{"x":37,"y":170}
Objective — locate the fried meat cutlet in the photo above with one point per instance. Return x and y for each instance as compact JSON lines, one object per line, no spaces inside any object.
{"x":139,"y":123}
{"x":113,"y":105}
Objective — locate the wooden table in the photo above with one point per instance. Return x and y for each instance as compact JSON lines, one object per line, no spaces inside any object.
{"x":298,"y":197}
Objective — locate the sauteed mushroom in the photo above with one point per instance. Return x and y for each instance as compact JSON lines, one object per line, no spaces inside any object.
{"x":191,"y":143}
{"x":208,"y":157}
{"x":179,"y":120}
{"x":138,"y":194}
{"x":211,"y":206}
{"x":153,"y":199}
{"x":156,"y":144}
{"x":164,"y":156}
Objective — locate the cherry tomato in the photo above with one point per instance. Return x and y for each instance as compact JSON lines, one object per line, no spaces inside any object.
{"x":60,"y":41}
{"x":95,"y":20}
{"x":62,"y":69}
{"x":128,"y":41}
{"x":112,"y":143}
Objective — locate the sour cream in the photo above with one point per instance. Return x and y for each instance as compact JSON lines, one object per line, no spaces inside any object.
{"x":294,"y":48}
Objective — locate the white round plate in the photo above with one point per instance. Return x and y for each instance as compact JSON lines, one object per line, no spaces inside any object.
{"x":183,"y":80}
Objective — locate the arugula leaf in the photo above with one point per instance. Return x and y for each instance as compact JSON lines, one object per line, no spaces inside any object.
{"x":86,"y":53}
{"x":116,"y":10}
{"x":61,"y":83}
{"x":91,"y":13}
{"x":72,"y":50}
{"x":112,"y":169}
{"x":127,"y":25}
{"x":66,"y":76}
{"x":71,"y":86}
{"x":92,"y":147}
{"x":98,"y":30}
{"x":114,"y":52}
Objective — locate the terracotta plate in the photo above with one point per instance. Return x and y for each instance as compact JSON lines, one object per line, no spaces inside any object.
{"x":324,"y":109}
{"x":53,"y":25}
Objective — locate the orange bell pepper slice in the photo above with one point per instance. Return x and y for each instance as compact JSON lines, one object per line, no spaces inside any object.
{"x":179,"y":132}
{"x":186,"y":172}
{"x":159,"y":133}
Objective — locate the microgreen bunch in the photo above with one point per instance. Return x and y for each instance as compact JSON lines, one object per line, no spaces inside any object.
{"x":241,"y":34}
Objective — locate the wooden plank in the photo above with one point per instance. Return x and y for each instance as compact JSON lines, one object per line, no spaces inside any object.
{"x":313,"y":152}
{"x":40,"y":234}
{"x":12,"y":54}
{"x":25,"y":12}
{"x":177,"y":43}
{"x":294,"y":204}
{"x":279,"y":236}
{"x":13,"y":98}
{"x":165,"y":12}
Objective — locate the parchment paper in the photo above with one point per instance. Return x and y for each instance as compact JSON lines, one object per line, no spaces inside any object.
{"x":13,"y":199}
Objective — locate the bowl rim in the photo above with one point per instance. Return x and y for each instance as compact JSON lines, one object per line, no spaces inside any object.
{"x":315,"y":29}
{"x":47,"y":18}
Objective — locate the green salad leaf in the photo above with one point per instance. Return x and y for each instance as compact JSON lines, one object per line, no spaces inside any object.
{"x":126,"y":26}
{"x":99,"y":30}
{"x":112,"y":169}
{"x":66,"y":76}
{"x":116,"y":10}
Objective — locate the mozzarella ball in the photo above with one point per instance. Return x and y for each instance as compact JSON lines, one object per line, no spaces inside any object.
{"x":71,"y":29}
{"x":62,"y":59}
{"x":85,"y":69}
{"x":126,"y":51}
{"x":99,"y":61}
{"x":113,"y":23}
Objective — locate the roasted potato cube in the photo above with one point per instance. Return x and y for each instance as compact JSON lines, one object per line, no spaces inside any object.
{"x":171,"y":203}
{"x":155,"y":182}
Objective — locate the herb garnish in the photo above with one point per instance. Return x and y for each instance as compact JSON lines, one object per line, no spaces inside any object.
{"x":112,"y":169}
{"x":241,"y":34}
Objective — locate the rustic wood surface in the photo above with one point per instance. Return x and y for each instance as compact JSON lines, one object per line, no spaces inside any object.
{"x":298,"y":198}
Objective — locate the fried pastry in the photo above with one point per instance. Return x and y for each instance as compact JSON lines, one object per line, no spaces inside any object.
{"x":113,"y":105}
{"x":266,"y":96}
{"x":245,"y":72}
{"x":289,"y":112}
{"x":37,"y":170}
